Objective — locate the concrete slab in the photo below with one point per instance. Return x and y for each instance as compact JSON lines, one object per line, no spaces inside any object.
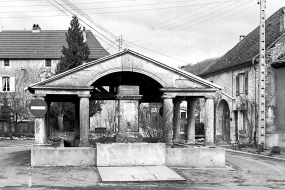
{"x":139,"y":174}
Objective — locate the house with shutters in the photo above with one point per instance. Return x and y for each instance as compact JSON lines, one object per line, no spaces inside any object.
{"x":236,"y":107}
{"x":29,"y":56}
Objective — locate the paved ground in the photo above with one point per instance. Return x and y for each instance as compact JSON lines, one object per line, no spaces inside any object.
{"x":245,"y":172}
{"x":253,"y":150}
{"x":139,"y":174}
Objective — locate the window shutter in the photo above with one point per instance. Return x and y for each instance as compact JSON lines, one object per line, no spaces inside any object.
{"x":12,"y":84}
{"x":237,"y":85}
{"x":1,"y":86}
{"x":246,"y":83}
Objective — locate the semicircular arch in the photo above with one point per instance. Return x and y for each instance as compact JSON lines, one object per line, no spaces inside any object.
{"x":160,"y":81}
{"x":223,"y":121}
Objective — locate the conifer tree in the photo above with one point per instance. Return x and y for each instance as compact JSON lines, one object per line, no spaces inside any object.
{"x":73,"y":55}
{"x":77,"y":51}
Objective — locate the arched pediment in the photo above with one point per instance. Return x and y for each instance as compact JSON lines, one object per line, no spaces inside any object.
{"x":131,"y":61}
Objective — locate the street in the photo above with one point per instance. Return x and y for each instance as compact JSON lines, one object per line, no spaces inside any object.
{"x":242,"y":172}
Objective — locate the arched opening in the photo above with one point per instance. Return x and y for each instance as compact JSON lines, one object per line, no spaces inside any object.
{"x":116,"y":114}
{"x":223,"y":122}
{"x":106,"y":86}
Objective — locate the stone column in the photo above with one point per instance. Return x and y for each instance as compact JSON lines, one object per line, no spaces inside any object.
{"x":209,"y":121}
{"x":190,"y":127}
{"x":77,"y":124}
{"x":176,"y":119}
{"x":49,"y":130}
{"x":84,"y":120}
{"x":167,"y":119}
{"x":40,"y":128}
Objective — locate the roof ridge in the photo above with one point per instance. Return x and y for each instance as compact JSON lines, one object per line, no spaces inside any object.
{"x":247,"y":49}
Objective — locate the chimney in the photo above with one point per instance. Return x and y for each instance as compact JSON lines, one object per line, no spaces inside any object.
{"x":84,"y":35}
{"x":36,"y":28}
{"x":241,"y":37}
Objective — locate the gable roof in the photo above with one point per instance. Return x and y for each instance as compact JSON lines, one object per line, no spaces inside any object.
{"x":246,"y":50}
{"x":136,"y":54}
{"x":45,"y":44}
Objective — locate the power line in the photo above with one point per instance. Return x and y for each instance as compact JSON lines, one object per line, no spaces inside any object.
{"x":126,"y":11}
{"x":89,"y":18}
{"x":159,"y":53}
{"x":83,"y":22}
{"x":193,"y":20}
{"x":119,"y":1}
{"x":152,"y":28}
{"x":145,"y":33}
{"x":222,"y":18}
{"x":155,"y":37}
{"x":168,"y":55}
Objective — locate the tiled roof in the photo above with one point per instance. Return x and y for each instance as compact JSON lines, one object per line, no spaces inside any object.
{"x":46,"y":44}
{"x":248,"y":48}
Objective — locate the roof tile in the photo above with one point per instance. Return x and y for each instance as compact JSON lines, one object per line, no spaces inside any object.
{"x":46,"y":44}
{"x":248,"y":48}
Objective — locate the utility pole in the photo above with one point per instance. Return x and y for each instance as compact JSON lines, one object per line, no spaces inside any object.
{"x":120,"y":43}
{"x":261,"y":118}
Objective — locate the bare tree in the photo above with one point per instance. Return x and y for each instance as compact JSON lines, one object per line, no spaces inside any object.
{"x":248,"y":107}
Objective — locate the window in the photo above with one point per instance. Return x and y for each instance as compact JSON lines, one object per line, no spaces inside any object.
{"x":242,"y":124}
{"x":6,"y":84}
{"x":48,"y":62}
{"x":242,"y":83}
{"x":6,"y":63}
{"x":243,"y":121}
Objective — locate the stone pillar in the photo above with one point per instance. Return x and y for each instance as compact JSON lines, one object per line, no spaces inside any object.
{"x":168,"y":119}
{"x":128,"y":112}
{"x":128,"y":109}
{"x":176,"y":119}
{"x":77,"y":124}
{"x":49,"y":130}
{"x":40,"y":128}
{"x":209,"y":121}
{"x":190,"y":127}
{"x":84,"y":120}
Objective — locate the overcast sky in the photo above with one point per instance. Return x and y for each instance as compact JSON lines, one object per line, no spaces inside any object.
{"x":165,"y":30}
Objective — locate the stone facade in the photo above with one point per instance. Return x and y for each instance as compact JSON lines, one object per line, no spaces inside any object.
{"x":238,"y":120}
{"x":22,"y":73}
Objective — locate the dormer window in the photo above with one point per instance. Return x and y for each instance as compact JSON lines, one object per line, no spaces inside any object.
{"x":6,"y":63}
{"x":48,"y":62}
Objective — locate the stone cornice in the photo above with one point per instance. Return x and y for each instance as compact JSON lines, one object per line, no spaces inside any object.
{"x":128,"y":97}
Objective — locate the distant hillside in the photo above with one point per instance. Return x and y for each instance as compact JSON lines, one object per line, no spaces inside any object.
{"x":200,"y":66}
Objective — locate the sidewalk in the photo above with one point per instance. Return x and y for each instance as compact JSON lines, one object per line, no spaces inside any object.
{"x":254,"y":151}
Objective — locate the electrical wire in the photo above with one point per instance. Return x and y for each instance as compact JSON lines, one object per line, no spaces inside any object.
{"x":90,"y":19}
{"x":219,"y":19}
{"x":84,"y":23}
{"x":192,"y":20}
{"x":140,"y":5}
{"x":159,"y":53}
{"x":126,"y":11}
{"x":145,"y":33}
{"x":168,"y":33}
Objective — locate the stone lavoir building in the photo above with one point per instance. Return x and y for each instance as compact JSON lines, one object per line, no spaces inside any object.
{"x":236,"y":108}
{"x":29,"y":56}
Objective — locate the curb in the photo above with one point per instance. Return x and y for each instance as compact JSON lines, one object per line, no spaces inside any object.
{"x":258,"y":155}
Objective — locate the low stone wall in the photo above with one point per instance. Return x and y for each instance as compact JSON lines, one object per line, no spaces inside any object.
{"x":130,"y":154}
{"x":63,"y":156}
{"x":196,"y":157}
